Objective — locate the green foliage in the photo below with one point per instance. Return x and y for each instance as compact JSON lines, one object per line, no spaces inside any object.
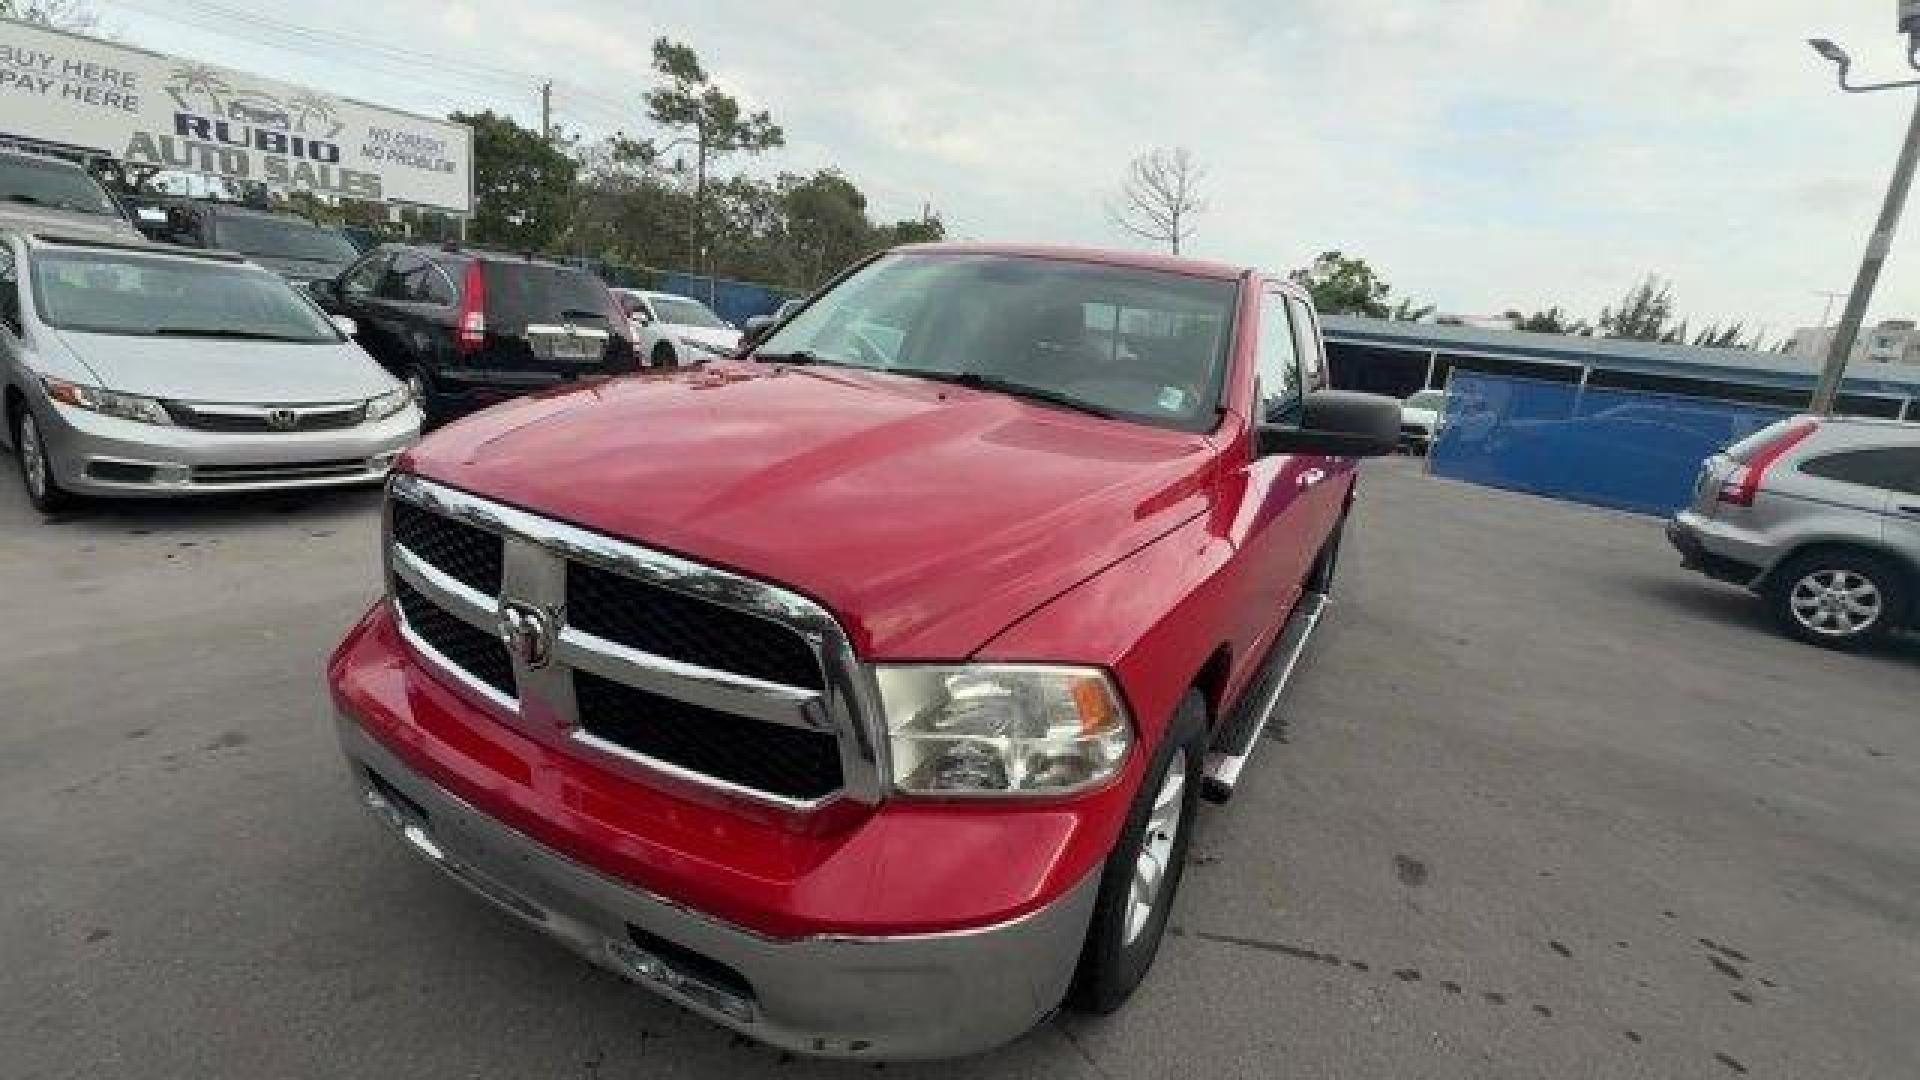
{"x":1643,"y":314}
{"x":1341,"y":285}
{"x":1551,"y":321}
{"x":707,"y":121}
{"x":523,"y":185}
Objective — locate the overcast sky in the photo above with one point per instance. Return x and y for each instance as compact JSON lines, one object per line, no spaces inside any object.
{"x":1482,"y":154}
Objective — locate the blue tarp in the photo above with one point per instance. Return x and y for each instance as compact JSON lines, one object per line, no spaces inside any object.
{"x":734,"y":301}
{"x":1616,"y":448}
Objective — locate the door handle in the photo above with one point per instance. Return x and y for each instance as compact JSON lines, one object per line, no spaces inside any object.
{"x":1311,"y":477}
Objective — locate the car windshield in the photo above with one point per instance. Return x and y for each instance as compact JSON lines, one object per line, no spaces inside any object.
{"x":115,"y":292}
{"x":1141,"y":345}
{"x":276,"y":238}
{"x":1427,"y":399}
{"x":54,"y":184}
{"x":678,"y":311}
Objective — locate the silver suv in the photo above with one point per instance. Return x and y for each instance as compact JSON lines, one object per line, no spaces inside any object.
{"x":1821,"y":517}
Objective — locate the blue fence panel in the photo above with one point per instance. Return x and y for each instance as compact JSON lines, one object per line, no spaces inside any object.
{"x":1617,"y":448}
{"x":734,"y":301}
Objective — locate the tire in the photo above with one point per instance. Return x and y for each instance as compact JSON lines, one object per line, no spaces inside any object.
{"x":1122,"y":942}
{"x":36,"y":466}
{"x":663,"y":356}
{"x":1839,"y":598}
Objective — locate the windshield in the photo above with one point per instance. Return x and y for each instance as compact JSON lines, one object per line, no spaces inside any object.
{"x":1142,"y":345}
{"x":54,"y":184}
{"x":679,"y":311}
{"x":1428,"y":399}
{"x":114,"y":292}
{"x":276,"y":238}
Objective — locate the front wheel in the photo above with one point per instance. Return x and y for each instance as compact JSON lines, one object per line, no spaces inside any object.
{"x":36,"y":467}
{"x":1839,"y":599}
{"x":663,"y":356}
{"x":1142,"y":875}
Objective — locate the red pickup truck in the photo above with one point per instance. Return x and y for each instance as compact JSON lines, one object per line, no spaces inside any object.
{"x":857,"y":692}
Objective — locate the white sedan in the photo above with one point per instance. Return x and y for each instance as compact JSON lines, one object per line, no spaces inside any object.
{"x":1420,"y":417}
{"x":669,"y":330}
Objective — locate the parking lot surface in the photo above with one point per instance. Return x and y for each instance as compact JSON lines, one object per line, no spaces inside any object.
{"x":1544,"y":805}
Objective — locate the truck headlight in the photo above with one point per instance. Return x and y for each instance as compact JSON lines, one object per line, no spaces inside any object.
{"x":107,"y":402}
{"x":388,"y":403}
{"x":1008,"y":729}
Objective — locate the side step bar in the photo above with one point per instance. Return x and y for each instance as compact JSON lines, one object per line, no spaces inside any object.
{"x":1234,"y":742}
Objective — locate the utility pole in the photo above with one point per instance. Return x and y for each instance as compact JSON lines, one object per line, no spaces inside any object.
{"x":1840,"y":350}
{"x":546,"y":111}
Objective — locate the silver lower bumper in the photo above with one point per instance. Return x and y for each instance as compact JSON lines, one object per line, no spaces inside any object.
{"x":880,"y":998}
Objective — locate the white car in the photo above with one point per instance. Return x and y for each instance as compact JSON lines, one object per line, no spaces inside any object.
{"x":669,"y":330}
{"x":1420,"y":419}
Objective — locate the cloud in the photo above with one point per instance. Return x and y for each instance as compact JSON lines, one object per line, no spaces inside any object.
{"x":1482,"y":153}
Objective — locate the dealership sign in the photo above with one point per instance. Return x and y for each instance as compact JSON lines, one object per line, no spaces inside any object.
{"x":148,"y":109}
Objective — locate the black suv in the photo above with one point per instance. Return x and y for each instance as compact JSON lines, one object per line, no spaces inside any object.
{"x":466,"y":328}
{"x":287,"y":244}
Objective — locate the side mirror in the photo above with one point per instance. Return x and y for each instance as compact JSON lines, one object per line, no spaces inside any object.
{"x":345,"y":325}
{"x":1336,"y":423}
{"x":756,"y":328}
{"x":325,"y":290}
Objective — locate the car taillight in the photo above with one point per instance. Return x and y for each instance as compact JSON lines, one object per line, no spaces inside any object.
{"x":1742,"y":485}
{"x":471,"y":322}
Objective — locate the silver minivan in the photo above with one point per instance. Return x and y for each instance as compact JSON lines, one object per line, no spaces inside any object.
{"x":1821,"y":517}
{"x":142,"y":370}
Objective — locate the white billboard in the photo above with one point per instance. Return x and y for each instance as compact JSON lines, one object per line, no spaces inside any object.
{"x":145,"y":108}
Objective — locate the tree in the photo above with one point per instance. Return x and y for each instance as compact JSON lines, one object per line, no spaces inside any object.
{"x":1408,"y":311}
{"x":1730,"y":336}
{"x":1551,"y":321}
{"x":1160,"y":196}
{"x":1643,"y":314}
{"x":523,"y":185}
{"x":710,"y":121}
{"x":1344,"y":286}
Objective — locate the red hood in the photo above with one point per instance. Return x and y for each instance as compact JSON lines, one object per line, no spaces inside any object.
{"x":927,"y":517}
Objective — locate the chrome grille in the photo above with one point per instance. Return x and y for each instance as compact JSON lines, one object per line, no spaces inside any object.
{"x":204,"y":416}
{"x":645,"y":660}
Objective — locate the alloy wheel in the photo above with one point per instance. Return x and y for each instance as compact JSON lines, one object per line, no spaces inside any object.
{"x":33,"y":457}
{"x":1156,"y":848}
{"x":1837,"y":603}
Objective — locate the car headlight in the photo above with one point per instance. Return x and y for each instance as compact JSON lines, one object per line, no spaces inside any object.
{"x":1002,"y":729}
{"x":703,"y":346}
{"x":387,"y":404}
{"x":106,"y":402}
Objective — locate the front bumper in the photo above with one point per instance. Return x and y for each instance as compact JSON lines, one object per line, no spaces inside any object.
{"x":107,"y":456}
{"x":881,"y":998}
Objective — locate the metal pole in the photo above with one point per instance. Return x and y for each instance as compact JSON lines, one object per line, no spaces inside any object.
{"x":1841,"y":349}
{"x":546,"y":111}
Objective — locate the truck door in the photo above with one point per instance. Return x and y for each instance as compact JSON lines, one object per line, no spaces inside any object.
{"x":1279,"y":518}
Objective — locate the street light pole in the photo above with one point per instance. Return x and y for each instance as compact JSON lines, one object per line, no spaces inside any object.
{"x":1841,"y":349}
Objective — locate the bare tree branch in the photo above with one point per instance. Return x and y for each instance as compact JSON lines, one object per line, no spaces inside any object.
{"x":1160,"y":197}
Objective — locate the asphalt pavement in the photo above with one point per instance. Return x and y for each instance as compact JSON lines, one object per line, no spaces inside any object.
{"x":1544,"y":805}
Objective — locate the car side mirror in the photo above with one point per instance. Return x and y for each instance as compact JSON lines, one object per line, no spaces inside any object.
{"x":324,"y":289}
{"x":756,"y":328}
{"x":346,"y":325}
{"x":1336,"y":423}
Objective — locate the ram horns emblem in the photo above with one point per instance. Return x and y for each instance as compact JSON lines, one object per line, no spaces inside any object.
{"x":528,"y":632}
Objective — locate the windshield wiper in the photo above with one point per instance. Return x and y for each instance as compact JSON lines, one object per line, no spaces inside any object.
{"x":973,"y":380}
{"x":799,"y":356}
{"x":57,"y":204}
{"x":215,"y":332}
{"x":582,"y":313}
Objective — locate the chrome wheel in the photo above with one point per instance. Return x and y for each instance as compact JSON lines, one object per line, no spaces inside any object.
{"x":1837,"y":603}
{"x":1156,"y":848}
{"x":33,"y":458}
